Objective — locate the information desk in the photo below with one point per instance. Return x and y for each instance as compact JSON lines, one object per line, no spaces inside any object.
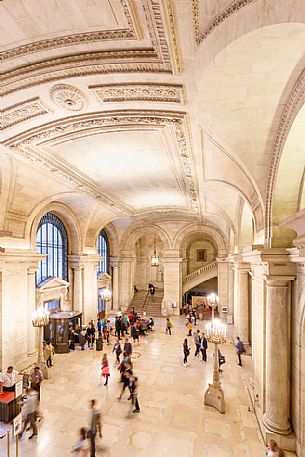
{"x":59,"y":329}
{"x":9,"y":407}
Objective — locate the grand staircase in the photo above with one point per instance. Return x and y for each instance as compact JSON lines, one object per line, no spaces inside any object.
{"x":143,"y":301}
{"x":202,"y":274}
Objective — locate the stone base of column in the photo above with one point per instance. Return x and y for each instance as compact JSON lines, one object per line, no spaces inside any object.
{"x":214,"y":396}
{"x":284,"y":437}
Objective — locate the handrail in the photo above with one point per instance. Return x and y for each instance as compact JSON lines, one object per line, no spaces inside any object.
{"x":201,"y":270}
{"x":143,"y":309}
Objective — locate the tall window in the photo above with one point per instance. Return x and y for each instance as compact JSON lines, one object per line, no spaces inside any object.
{"x":103,"y":251}
{"x":52,"y":240}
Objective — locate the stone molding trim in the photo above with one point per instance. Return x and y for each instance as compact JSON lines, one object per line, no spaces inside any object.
{"x":13,"y":115}
{"x":173,"y":35}
{"x":30,"y":145}
{"x":291,"y":109}
{"x":159,"y":93}
{"x":154,"y":59}
{"x":68,"y":97}
{"x":232,"y":8}
{"x":69,"y":40}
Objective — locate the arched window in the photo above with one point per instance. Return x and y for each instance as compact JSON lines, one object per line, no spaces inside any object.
{"x":103,"y":251}
{"x":51,"y":239}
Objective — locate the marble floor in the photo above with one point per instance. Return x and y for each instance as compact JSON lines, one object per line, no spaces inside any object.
{"x":173,"y":420}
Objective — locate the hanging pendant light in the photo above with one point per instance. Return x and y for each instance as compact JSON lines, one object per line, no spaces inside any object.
{"x":106,"y":294}
{"x":154,"y":260}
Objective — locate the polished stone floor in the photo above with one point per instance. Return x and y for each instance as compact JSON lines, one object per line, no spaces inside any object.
{"x":173,"y":421}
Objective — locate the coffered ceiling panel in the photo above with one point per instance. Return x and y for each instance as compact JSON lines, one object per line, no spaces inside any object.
{"x":135,"y":166}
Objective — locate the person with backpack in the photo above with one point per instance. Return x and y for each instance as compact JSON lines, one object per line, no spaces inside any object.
{"x":169,"y":326}
{"x":240,"y":349}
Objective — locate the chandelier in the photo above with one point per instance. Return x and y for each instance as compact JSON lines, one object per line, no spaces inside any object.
{"x":40,"y":318}
{"x":154,"y":260}
{"x":106,"y":294}
{"x":216,"y":332}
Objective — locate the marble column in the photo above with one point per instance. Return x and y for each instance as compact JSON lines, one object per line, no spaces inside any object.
{"x":230,"y":290}
{"x":31,"y":306}
{"x":114,"y":262}
{"x":276,"y":417}
{"x":172,"y":283}
{"x":241,"y":301}
{"x":77,"y":288}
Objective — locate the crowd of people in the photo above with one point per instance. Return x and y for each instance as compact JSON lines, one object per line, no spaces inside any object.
{"x":125,"y":327}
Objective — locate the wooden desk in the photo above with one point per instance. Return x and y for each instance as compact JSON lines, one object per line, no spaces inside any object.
{"x":9,"y":407}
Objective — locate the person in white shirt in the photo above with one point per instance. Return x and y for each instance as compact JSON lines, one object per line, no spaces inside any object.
{"x":10,"y":379}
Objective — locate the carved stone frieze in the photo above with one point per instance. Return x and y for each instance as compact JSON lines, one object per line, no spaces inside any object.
{"x":68,"y":97}
{"x":30,"y":145}
{"x":173,"y":36}
{"x":69,"y":40}
{"x":22,"y":112}
{"x":154,"y":59}
{"x":232,"y":8}
{"x":138,"y":92}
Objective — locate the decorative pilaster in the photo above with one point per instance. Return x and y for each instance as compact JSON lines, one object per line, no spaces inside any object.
{"x":276,"y":418}
{"x":114,"y":262}
{"x":241,"y":300}
{"x":31,"y":307}
{"x":172,"y":283}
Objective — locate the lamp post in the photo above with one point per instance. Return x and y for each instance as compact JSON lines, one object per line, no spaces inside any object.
{"x":213,"y":301}
{"x":40,"y":318}
{"x":214,"y":396}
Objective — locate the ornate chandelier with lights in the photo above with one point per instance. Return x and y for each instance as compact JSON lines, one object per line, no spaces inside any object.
{"x":154,"y":260}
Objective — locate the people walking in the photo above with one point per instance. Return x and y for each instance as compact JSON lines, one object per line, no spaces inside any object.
{"x":203,"y":347}
{"x":117,"y":350}
{"x":118,"y":326}
{"x":196,"y":336}
{"x":95,"y":426}
{"x":82,"y":445}
{"x":169,"y":326}
{"x":189,"y":326}
{"x":48,"y":354}
{"x":127,"y":373}
{"x":274,"y":450}
{"x":90,"y":335}
{"x":186,"y":352}
{"x":134,"y":389}
{"x":105,"y":369}
{"x":135,"y":332}
{"x":127,"y":347}
{"x":36,"y":378}
{"x":240,"y":349}
{"x":82,"y":338}
{"x":31,"y":405}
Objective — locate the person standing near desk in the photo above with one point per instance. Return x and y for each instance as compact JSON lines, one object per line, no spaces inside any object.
{"x":10,"y":379}
{"x":1,"y":382}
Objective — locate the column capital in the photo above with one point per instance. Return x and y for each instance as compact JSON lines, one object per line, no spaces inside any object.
{"x":114,"y":261}
{"x":9,"y":259}
{"x":79,"y":261}
{"x":278,"y":281}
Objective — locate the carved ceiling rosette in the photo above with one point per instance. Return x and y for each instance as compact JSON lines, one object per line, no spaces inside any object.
{"x":68,"y":97}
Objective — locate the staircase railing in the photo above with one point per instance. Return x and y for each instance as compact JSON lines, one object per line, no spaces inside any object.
{"x":200,"y":271}
{"x":144,"y":305}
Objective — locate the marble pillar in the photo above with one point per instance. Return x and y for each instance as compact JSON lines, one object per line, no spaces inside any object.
{"x":31,"y":306}
{"x":172,"y":300}
{"x":77,"y":288}
{"x":231,"y":290}
{"x":276,"y":417}
{"x":241,"y":301}
{"x":114,"y":262}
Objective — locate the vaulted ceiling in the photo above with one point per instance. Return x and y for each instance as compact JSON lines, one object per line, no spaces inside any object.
{"x":132,"y":108}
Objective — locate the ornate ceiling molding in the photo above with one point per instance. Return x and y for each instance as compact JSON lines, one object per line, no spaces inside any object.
{"x":232,"y":8}
{"x":291,"y":109}
{"x":68,"y":97}
{"x":170,"y":16}
{"x":22,"y":112}
{"x":158,"y":93}
{"x":69,"y":40}
{"x":34,"y":144}
{"x":154,"y":59}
